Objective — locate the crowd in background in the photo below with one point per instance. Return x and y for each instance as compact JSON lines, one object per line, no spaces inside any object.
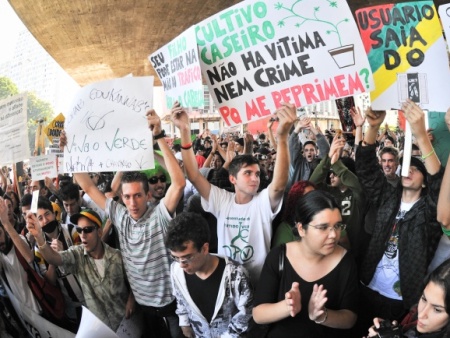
{"x":292,"y":232}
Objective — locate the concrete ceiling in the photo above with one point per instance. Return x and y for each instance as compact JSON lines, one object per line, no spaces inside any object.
{"x":94,"y":40}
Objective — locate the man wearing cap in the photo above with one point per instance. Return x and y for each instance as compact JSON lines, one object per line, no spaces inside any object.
{"x":97,"y":266}
{"x":406,"y":232}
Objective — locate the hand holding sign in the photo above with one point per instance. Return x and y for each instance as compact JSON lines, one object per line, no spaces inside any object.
{"x":154,"y":122}
{"x":180,"y":117}
{"x":416,"y":118}
{"x":375,"y":118}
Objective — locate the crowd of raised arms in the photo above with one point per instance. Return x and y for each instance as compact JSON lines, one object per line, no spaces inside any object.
{"x":289,"y":233}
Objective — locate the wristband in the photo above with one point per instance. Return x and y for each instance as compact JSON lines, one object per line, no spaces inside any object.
{"x":186,"y":146}
{"x":160,"y":135}
{"x":324,"y":319}
{"x":428,"y":155}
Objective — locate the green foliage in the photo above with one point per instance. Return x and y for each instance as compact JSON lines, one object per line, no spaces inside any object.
{"x":37,"y":109}
{"x":7,"y":88}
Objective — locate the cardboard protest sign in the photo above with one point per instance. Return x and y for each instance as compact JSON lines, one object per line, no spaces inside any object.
{"x":444,"y":14}
{"x":13,"y":129}
{"x":407,"y":53}
{"x":44,"y":166}
{"x":107,"y":127}
{"x":178,"y":68}
{"x":257,"y":55}
{"x":54,"y":128}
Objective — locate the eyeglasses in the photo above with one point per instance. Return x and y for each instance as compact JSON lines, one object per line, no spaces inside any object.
{"x":155,"y":179}
{"x":184,"y":260}
{"x":86,"y":230}
{"x":338,"y":227}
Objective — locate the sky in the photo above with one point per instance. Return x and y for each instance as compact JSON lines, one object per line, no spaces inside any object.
{"x":10,"y":26}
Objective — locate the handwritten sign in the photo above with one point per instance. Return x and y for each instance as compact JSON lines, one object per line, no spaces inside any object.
{"x":107,"y":127}
{"x":444,"y":14}
{"x":407,"y":54}
{"x":13,"y":129}
{"x":44,"y":166}
{"x":178,"y":67}
{"x":257,"y":55}
{"x":54,"y":128}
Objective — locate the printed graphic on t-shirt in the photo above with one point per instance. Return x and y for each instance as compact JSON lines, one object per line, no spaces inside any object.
{"x":238,"y":230}
{"x":346,"y":206}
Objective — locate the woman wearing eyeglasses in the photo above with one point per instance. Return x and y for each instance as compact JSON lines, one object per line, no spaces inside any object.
{"x":308,"y":288}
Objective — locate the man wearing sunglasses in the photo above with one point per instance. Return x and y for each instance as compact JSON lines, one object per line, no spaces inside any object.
{"x":98,"y":267}
{"x":157,"y":186}
{"x":141,"y":231}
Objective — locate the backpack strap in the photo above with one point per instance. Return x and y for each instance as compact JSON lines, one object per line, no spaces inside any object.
{"x":281,"y":259}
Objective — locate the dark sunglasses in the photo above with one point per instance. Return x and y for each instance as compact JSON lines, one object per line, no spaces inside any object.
{"x":155,"y":179}
{"x":86,"y":230}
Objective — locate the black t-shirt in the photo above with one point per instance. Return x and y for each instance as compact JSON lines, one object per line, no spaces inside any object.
{"x":342,"y":292}
{"x":204,"y":292}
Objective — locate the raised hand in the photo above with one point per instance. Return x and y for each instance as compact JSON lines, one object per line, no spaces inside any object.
{"x":335,"y":148}
{"x":357,"y":117}
{"x":179,"y":116}
{"x":287,"y":115}
{"x":154,"y":122}
{"x":415,"y":116}
{"x":375,"y":118}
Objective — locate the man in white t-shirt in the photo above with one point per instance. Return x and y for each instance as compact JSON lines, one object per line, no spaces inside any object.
{"x":244,"y":218}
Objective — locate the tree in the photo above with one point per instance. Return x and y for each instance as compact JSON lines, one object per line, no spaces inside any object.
{"x":7,"y":88}
{"x":37,"y":109}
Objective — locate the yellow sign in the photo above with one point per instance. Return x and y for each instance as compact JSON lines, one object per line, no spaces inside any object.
{"x":55,"y":127}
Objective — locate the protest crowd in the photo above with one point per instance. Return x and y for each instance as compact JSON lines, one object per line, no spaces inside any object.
{"x":290,"y":233}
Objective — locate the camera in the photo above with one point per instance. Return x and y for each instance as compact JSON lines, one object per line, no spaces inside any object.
{"x":387,"y":330}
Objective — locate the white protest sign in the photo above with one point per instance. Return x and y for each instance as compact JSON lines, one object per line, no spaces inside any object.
{"x":36,"y":325}
{"x":107,"y":128}
{"x":444,"y":14}
{"x":91,"y":326}
{"x":178,"y":68}
{"x":13,"y":129}
{"x":43,"y":166}
{"x":257,"y":55}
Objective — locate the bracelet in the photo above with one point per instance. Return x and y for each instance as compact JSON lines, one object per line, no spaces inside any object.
{"x":428,"y":155}
{"x":445,"y":231}
{"x":324,"y":319}
{"x":160,"y":135}
{"x":43,"y":245}
{"x":186,"y":146}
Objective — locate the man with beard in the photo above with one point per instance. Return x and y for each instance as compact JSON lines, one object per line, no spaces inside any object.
{"x":10,"y":241}
{"x":60,"y":237}
{"x":389,"y":163}
{"x":303,"y":164}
